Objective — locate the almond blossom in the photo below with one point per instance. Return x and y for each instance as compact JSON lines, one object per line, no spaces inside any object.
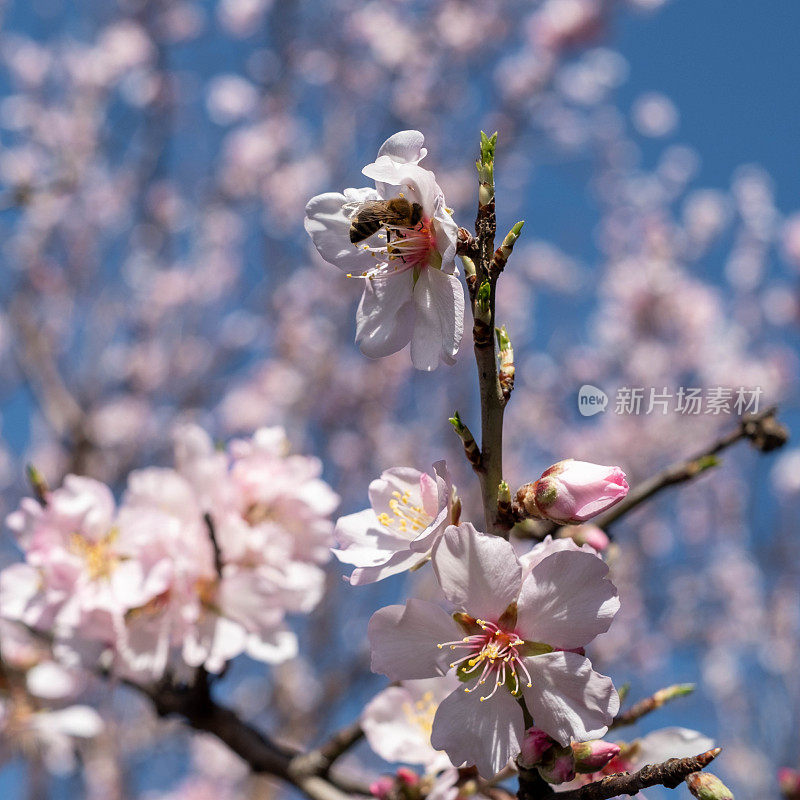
{"x":397,"y":722}
{"x":49,"y":734}
{"x":269,"y":512}
{"x":409,"y":513}
{"x":512,"y":637}
{"x":86,"y":564}
{"x":411,"y":288}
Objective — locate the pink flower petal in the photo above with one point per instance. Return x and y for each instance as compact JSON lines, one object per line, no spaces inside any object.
{"x":486,"y":734}
{"x":329,"y":229}
{"x":479,"y":574}
{"x":404,"y":640}
{"x":568,"y":699}
{"x":567,"y":600}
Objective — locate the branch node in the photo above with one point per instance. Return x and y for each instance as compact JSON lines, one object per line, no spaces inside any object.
{"x":471,"y":449}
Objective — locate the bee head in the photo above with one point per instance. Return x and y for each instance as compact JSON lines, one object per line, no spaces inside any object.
{"x":399,"y":206}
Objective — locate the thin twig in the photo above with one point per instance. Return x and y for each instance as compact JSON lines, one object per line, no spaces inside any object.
{"x":655,"y":701}
{"x":322,"y":759}
{"x":669,"y":773}
{"x":482,"y":294}
{"x":212,"y":534}
{"x":762,"y":429}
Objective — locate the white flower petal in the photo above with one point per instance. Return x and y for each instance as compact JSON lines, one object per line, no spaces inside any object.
{"x":439,"y":324}
{"x":568,"y":699}
{"x":50,"y":681}
{"x":81,"y":721}
{"x":272,"y":647}
{"x":405,"y":147}
{"x":364,"y":542}
{"x":404,"y":640}
{"x":386,"y":314}
{"x":567,"y":600}
{"x":329,"y":229}
{"x":486,"y":734}
{"x":399,"y":562}
{"x":668,"y":743}
{"x":397,"y":721}
{"x":478,"y":573}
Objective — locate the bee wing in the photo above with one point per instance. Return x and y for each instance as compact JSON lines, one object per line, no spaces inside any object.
{"x":371,"y":210}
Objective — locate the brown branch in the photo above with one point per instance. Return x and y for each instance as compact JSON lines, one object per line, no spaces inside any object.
{"x":202,"y":712}
{"x":669,"y":773}
{"x":212,"y":534}
{"x":321,"y":760}
{"x":482,"y":293}
{"x":762,"y":429}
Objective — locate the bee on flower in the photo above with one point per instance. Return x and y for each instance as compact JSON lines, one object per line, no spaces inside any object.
{"x":401,"y":240}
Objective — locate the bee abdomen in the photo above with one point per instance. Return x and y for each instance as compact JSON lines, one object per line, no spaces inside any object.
{"x":360,"y":230}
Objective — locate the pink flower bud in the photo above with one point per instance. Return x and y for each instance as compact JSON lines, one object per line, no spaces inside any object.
{"x":382,"y":787}
{"x":789,"y":781}
{"x":705,"y":786}
{"x":534,"y":745}
{"x":593,"y":756}
{"x":587,"y":534}
{"x":573,"y":491}
{"x":559,"y":766}
{"x":407,"y":776}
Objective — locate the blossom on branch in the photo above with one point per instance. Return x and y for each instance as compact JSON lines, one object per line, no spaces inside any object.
{"x":655,"y":747}
{"x":573,"y":491}
{"x":409,"y":513}
{"x":512,"y":637}
{"x":196,"y":566}
{"x":397,"y":722}
{"x":411,"y":287}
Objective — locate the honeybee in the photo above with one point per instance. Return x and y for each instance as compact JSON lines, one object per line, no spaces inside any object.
{"x":371,"y":216}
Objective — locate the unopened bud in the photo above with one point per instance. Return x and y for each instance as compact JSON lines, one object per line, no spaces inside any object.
{"x":455,"y":508}
{"x":407,"y":776}
{"x":706,"y":786}
{"x":558,"y":766}
{"x":573,"y":491}
{"x":485,"y":165}
{"x":789,"y":782}
{"x":382,"y":787}
{"x":593,"y":756}
{"x":483,"y":302}
{"x":587,"y":534}
{"x":470,"y":269}
{"x":38,"y":483}
{"x":535,"y":744}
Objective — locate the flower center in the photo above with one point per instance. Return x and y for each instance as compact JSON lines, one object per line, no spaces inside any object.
{"x":406,"y":518}
{"x":404,"y":249}
{"x":256,"y":513}
{"x":421,"y":713}
{"x":492,"y":653}
{"x":99,"y":556}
